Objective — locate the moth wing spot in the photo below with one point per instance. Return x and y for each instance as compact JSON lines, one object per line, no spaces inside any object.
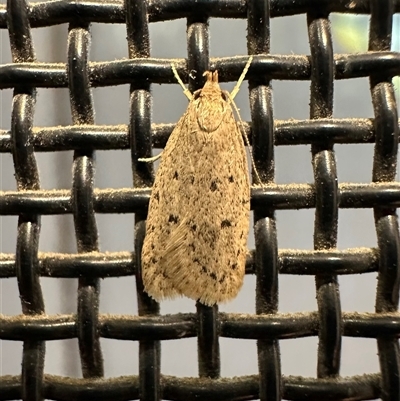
{"x":176,"y":175}
{"x":213,"y":276}
{"x":226,"y":224}
{"x":213,"y":186}
{"x":173,"y":219}
{"x":234,"y":266}
{"x":203,"y":268}
{"x":231,"y":179}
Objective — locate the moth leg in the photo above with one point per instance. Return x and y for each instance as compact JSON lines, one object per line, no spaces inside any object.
{"x":241,"y":78}
{"x":186,"y":91}
{"x":150,"y":159}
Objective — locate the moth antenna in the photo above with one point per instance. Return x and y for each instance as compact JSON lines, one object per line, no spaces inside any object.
{"x":246,"y":140}
{"x":186,"y":91}
{"x":241,"y":78}
{"x":150,"y":159}
{"x":188,"y":94}
{"x":231,"y":97}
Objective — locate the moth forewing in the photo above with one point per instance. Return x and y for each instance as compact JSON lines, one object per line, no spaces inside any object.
{"x":198,"y":219}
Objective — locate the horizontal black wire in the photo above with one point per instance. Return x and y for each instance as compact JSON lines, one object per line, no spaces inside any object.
{"x":115,"y":137}
{"x":154,"y":70}
{"x":130,"y":200}
{"x":172,"y":327}
{"x":120,"y":264}
{"x":125,"y":388}
{"x":64,"y":11}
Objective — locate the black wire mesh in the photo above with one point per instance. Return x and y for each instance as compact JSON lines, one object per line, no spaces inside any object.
{"x":321,"y":131}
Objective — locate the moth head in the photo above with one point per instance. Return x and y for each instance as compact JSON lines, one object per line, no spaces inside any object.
{"x":211,"y":104}
{"x":211,"y":88}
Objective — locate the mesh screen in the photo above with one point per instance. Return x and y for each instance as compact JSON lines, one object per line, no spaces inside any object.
{"x":267,"y":261}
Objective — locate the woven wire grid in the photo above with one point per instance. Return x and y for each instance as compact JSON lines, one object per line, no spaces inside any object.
{"x":34,"y":328}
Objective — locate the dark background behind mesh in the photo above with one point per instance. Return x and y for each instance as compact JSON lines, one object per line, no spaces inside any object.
{"x":303,"y":202}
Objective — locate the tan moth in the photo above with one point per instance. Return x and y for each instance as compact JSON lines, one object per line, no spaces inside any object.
{"x":198,"y":218}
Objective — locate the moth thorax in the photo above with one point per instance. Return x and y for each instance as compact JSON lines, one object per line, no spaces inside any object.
{"x":210,"y":113}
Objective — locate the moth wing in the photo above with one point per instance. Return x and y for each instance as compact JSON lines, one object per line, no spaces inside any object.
{"x":206,"y":249}
{"x":162,"y":207}
{"x":198,"y":221}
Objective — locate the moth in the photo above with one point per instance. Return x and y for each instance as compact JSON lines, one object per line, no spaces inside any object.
{"x":198,"y":217}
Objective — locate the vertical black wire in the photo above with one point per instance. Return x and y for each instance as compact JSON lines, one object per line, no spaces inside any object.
{"x":326,"y":191}
{"x":386,"y":221}
{"x":82,"y":201}
{"x":266,"y":252}
{"x":140,"y":137}
{"x":27,"y":177}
